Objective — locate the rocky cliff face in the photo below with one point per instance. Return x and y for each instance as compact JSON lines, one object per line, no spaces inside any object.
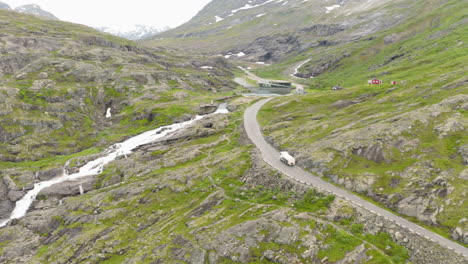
{"x":33,"y":9}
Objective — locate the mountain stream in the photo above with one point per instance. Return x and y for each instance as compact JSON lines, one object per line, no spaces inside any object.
{"x":96,"y":166}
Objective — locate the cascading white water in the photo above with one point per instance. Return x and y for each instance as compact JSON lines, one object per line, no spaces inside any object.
{"x":96,"y":166}
{"x":108,"y":113}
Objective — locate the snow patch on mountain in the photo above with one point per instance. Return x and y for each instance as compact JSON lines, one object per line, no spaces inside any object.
{"x":248,"y":6}
{"x":330,"y":8}
{"x":218,"y":19}
{"x":230,"y":54}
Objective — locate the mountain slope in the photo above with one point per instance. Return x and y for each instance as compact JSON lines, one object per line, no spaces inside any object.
{"x":201,"y":195}
{"x":269,"y":30}
{"x":59,"y":80}
{"x":419,"y":44}
{"x":402,"y":145}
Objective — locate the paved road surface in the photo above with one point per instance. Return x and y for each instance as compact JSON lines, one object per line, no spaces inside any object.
{"x":271,"y":156}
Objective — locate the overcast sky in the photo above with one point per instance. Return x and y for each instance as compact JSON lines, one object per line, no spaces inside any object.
{"x":157,"y":13}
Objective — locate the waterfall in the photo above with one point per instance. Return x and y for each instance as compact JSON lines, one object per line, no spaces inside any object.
{"x":108,"y":113}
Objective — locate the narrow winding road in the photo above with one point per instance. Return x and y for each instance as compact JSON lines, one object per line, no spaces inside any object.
{"x":271,"y":156}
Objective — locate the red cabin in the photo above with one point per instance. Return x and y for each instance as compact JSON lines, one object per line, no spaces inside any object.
{"x":375,"y":81}
{"x":393,"y":82}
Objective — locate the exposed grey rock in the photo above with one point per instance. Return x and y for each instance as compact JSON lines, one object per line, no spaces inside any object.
{"x":464,"y":175}
{"x":451,"y":125}
{"x":15,"y":195}
{"x":231,"y":107}
{"x":460,"y":235}
{"x":463,"y":151}
{"x":374,"y":153}
{"x":6,"y":206}
{"x":43,"y":84}
{"x":423,"y":209}
{"x":43,"y":75}
{"x":49,"y":174}
{"x":287,"y":236}
{"x":440,"y":181}
{"x":70,"y":188}
{"x":207,"y":109}
{"x":325,"y":29}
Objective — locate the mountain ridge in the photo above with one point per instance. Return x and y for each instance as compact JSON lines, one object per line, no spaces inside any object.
{"x":34,"y":9}
{"x":4,"y":6}
{"x":135,"y":32}
{"x":263,"y":21}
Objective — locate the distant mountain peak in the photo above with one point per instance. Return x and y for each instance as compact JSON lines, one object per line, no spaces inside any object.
{"x":34,"y":9}
{"x":132,"y":32}
{"x":4,"y":6}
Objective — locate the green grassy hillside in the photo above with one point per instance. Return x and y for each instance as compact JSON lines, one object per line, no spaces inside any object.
{"x":200,"y":197}
{"x":402,"y":145}
{"x":58,"y":79}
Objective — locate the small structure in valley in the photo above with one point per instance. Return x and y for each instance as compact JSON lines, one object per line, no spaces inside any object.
{"x":374,"y":81}
{"x":276,"y":87}
{"x":275,"y":84}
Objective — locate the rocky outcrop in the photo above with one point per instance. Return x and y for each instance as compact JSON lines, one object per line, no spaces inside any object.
{"x":324,"y":63}
{"x":269,"y":48}
{"x":460,"y":235}
{"x":70,"y":188}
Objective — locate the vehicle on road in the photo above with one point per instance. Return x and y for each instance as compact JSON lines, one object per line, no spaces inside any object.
{"x":287,"y":159}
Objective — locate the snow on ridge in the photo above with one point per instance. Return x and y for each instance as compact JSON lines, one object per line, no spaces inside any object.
{"x":260,"y":15}
{"x":330,"y":8}
{"x":247,"y":6}
{"x":229,"y":55}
